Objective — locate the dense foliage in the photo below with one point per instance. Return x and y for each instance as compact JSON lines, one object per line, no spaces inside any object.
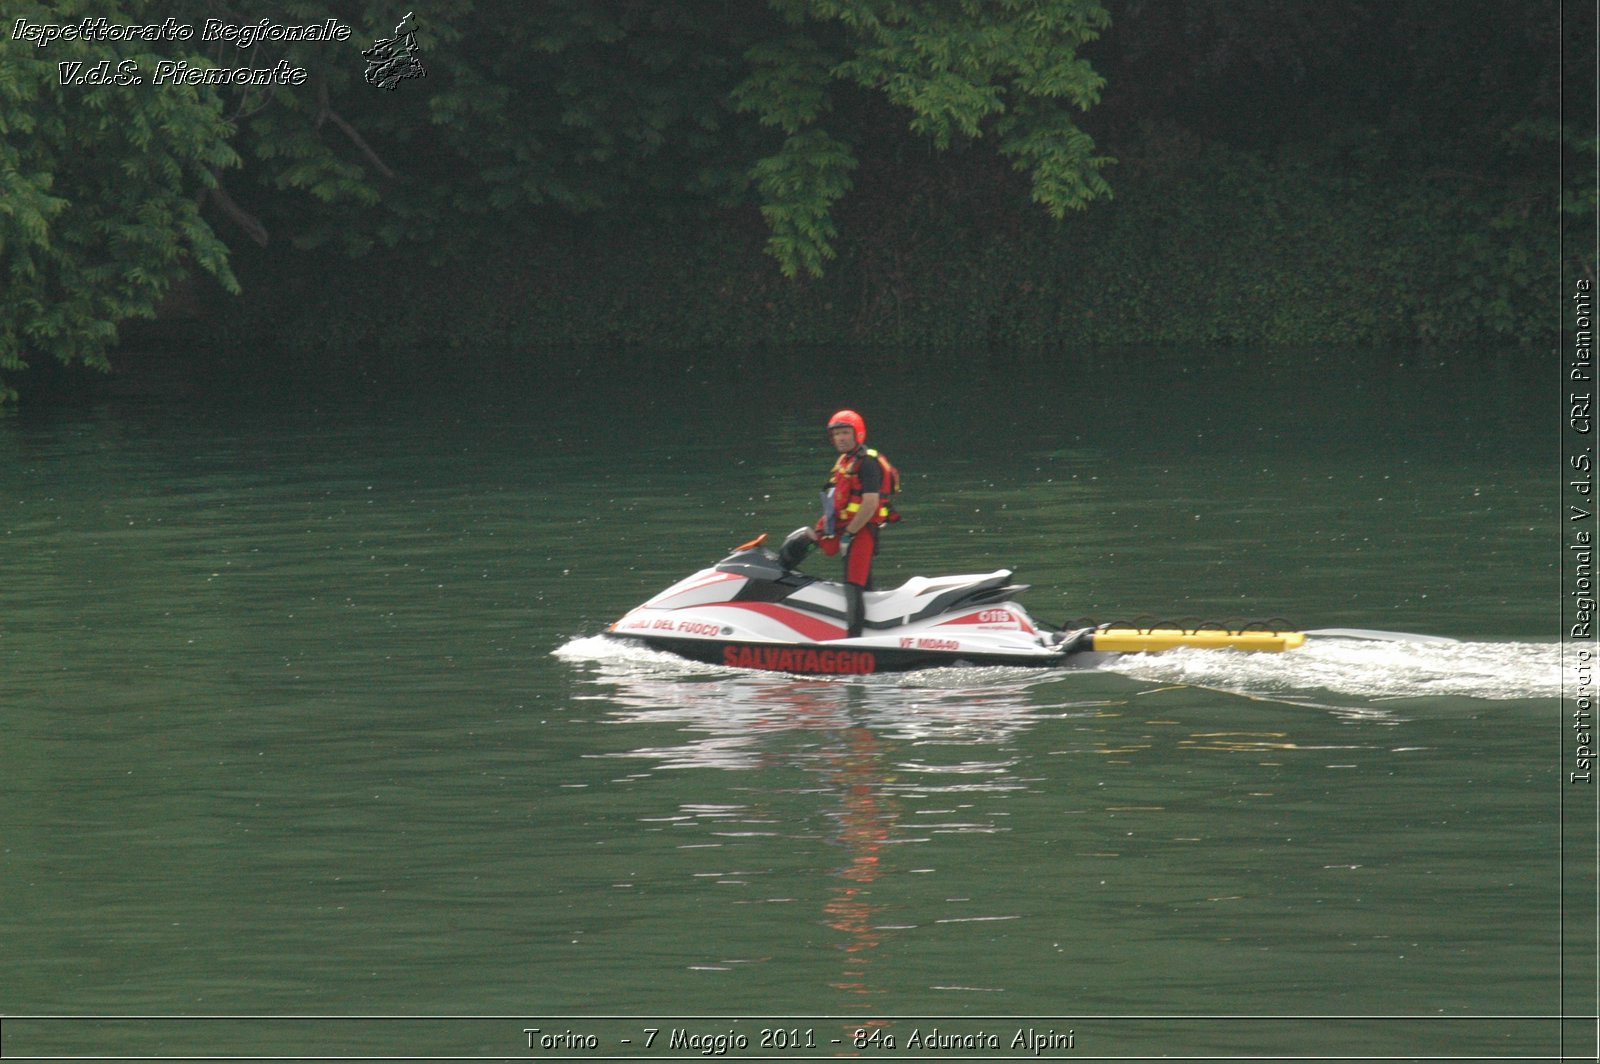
{"x":1203,"y":246}
{"x":584,"y":105}
{"x":98,"y":208}
{"x":734,"y":173}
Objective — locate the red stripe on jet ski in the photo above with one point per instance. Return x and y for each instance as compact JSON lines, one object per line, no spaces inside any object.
{"x":804,"y":623}
{"x":714,"y":578}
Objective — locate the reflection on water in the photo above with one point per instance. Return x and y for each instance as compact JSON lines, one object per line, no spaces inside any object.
{"x":736,"y":711}
{"x":867,"y":819}
{"x":286,"y":735}
{"x":998,"y":834}
{"x":890,"y":763}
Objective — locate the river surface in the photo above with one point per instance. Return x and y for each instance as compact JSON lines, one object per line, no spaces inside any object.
{"x":309,"y":727}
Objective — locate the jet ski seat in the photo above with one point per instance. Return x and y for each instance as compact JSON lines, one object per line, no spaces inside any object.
{"x":923,"y":596}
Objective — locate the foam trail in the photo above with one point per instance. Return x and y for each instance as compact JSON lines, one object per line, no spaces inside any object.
{"x":1366,"y":668}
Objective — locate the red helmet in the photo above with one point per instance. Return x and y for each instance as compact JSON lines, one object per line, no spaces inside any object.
{"x":855,"y":421}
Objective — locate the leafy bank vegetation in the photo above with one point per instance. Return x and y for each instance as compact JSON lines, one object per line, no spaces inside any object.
{"x":1039,"y":175}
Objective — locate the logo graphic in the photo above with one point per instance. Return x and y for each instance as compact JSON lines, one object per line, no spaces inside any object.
{"x":392,"y":60}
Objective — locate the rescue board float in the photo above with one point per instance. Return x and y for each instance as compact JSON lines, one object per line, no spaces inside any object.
{"x":749,"y":611}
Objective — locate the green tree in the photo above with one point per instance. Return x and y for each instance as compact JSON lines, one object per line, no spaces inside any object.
{"x":99,"y":214}
{"x":111,"y":175}
{"x":628,"y":105}
{"x":956,"y":70}
{"x":109,"y":194}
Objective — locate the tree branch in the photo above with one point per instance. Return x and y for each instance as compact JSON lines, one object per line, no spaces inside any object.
{"x":241,"y":217}
{"x":324,"y":111}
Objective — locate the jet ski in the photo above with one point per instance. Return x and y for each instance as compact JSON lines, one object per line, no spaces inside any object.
{"x":751,"y":611}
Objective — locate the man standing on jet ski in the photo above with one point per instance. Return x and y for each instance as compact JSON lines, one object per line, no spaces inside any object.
{"x":855,"y":505}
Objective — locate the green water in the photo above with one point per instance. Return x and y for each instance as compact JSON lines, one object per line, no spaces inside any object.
{"x":308,"y":728}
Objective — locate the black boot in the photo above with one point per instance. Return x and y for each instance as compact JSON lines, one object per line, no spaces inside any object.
{"x":855,"y":610}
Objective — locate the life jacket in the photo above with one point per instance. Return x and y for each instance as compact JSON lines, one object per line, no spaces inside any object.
{"x":847,"y":494}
